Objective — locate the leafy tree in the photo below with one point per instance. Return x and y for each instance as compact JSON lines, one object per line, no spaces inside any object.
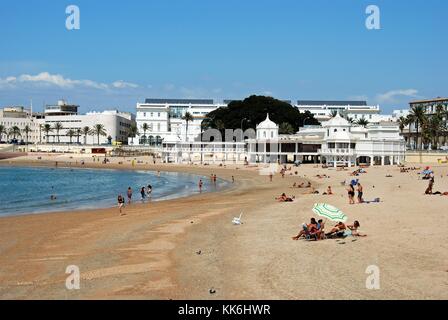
{"x":47,"y":129}
{"x":99,"y":130}
{"x":145,"y":127}
{"x":285,"y":128}
{"x":255,"y":109}
{"x":133,"y":132}
{"x":58,"y":127}
{"x":417,"y":116}
{"x":71,"y":133}
{"x":14,"y":132}
{"x":26,"y":130}
{"x":188,"y":117}
{"x":85,"y":132}
{"x":2,"y":131}
{"x":78,"y":134}
{"x":363,"y":122}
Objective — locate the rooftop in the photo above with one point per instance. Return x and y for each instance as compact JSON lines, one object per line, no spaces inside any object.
{"x":180,"y":101}
{"x":330,"y":103}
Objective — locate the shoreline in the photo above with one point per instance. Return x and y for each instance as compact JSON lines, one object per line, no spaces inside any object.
{"x":136,"y":203}
{"x":181,"y":248}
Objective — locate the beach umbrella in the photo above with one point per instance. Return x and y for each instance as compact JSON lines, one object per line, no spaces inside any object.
{"x":329,"y":212}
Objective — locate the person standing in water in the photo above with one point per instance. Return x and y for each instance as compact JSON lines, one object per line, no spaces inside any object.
{"x":143,"y":193}
{"x":129,"y":193}
{"x":200,"y":185}
{"x":149,"y":190}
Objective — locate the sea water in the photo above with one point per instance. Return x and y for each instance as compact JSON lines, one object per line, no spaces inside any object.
{"x":29,"y":190}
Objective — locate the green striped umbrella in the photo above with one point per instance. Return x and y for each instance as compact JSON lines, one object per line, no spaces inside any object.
{"x":329,"y":212}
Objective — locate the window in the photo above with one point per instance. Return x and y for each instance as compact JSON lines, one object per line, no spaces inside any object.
{"x":158,"y":114}
{"x":264,"y":134}
{"x":272,"y":134}
{"x":158,"y":127}
{"x":335,"y":130}
{"x":152,"y":114}
{"x":144,"y":114}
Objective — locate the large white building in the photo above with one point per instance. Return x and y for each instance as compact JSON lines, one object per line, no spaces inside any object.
{"x":19,"y":117}
{"x":164,"y":119}
{"x":116,"y":124}
{"x":336,"y":142}
{"x":323,"y":110}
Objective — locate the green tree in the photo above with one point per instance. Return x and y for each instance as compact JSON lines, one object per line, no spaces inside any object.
{"x":285,"y":128}
{"x":78,"y":134}
{"x":47,"y":129}
{"x":58,"y":127}
{"x":145,"y":127}
{"x":14,"y":132}
{"x":133,"y":132}
{"x":254,"y":109}
{"x":99,"y":130}
{"x":71,"y":133}
{"x":188,"y":117}
{"x":418,"y":117}
{"x":85,"y":132}
{"x":2,"y":131}
{"x":363,"y":122}
{"x":26,"y":130}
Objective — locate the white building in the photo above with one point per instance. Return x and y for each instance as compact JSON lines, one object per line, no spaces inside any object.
{"x":19,"y":117}
{"x":116,"y":124}
{"x":323,"y":110}
{"x":336,"y":143}
{"x":164,"y":119}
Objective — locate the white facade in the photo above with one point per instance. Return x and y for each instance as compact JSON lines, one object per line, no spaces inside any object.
{"x":19,"y":117}
{"x":322,"y":110}
{"x":164,"y":119}
{"x":116,"y":124}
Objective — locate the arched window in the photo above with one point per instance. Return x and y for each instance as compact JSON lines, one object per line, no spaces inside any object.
{"x":264,"y":134}
{"x":272,"y":134}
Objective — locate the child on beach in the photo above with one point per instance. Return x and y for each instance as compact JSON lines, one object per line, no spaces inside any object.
{"x":120,"y":203}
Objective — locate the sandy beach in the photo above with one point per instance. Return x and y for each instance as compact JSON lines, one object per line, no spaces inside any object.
{"x":182,"y":248}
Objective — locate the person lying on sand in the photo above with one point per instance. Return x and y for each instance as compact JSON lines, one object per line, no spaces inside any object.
{"x":337,"y":228}
{"x":285,"y":198}
{"x":329,"y":192}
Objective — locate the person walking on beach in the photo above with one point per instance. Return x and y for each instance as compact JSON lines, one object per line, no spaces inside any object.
{"x":430,"y":186}
{"x":200,"y":185}
{"x":129,"y":195}
{"x":233,"y":179}
{"x":270,"y":176}
{"x":360,"y":193}
{"x":351,"y":194}
{"x":149,"y":190}
{"x":214,"y":179}
{"x":120,"y":203}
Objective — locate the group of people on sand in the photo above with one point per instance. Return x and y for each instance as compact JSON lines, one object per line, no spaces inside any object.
{"x":302,"y":185}
{"x":315,"y":230}
{"x":406,"y":170}
{"x":358,"y":172}
{"x":351,"y":193}
{"x":145,"y":192}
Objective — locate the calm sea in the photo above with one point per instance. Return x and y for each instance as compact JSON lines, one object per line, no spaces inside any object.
{"x":29,"y":190}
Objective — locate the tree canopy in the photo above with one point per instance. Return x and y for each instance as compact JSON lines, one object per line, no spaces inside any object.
{"x":253,"y":110}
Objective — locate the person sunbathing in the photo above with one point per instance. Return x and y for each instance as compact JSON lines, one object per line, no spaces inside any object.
{"x":329,"y":191}
{"x":285,"y":198}
{"x":307,"y":229}
{"x":339,"y":227}
{"x":352,"y":230}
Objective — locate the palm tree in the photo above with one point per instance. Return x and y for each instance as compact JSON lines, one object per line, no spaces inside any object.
{"x":442,"y":113}
{"x":58,"y":127}
{"x":402,"y":123}
{"x":2,"y":131}
{"x":431,"y":130}
{"x":27,"y":131}
{"x":350,"y":119}
{"x":78,"y":134}
{"x":145,"y":128}
{"x":286,"y":128}
{"x":40,"y":132}
{"x":47,"y":129}
{"x":99,"y":130}
{"x":187,"y":117}
{"x":362,"y":122}
{"x":85,"y":132}
{"x":70,"y":134}
{"x":133,"y":132}
{"x":14,"y":132}
{"x":417,"y":116}
{"x":333,"y":113}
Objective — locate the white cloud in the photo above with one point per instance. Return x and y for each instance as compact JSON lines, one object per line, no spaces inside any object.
{"x":120,"y":84}
{"x":57,"y":80}
{"x":394,"y":95}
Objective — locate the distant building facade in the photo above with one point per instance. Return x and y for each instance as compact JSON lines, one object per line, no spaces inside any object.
{"x":19,"y":117}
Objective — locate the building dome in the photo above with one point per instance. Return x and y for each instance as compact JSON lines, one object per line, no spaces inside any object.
{"x":336,"y":121}
{"x":267,"y":124}
{"x":267,"y":129}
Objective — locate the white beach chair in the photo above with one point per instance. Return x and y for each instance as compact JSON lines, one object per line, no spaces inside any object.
{"x":237,"y":221}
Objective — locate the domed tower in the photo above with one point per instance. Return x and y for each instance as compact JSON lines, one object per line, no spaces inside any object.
{"x":267,"y":129}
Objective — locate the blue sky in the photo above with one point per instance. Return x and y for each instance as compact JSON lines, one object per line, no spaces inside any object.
{"x":126,"y":51}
